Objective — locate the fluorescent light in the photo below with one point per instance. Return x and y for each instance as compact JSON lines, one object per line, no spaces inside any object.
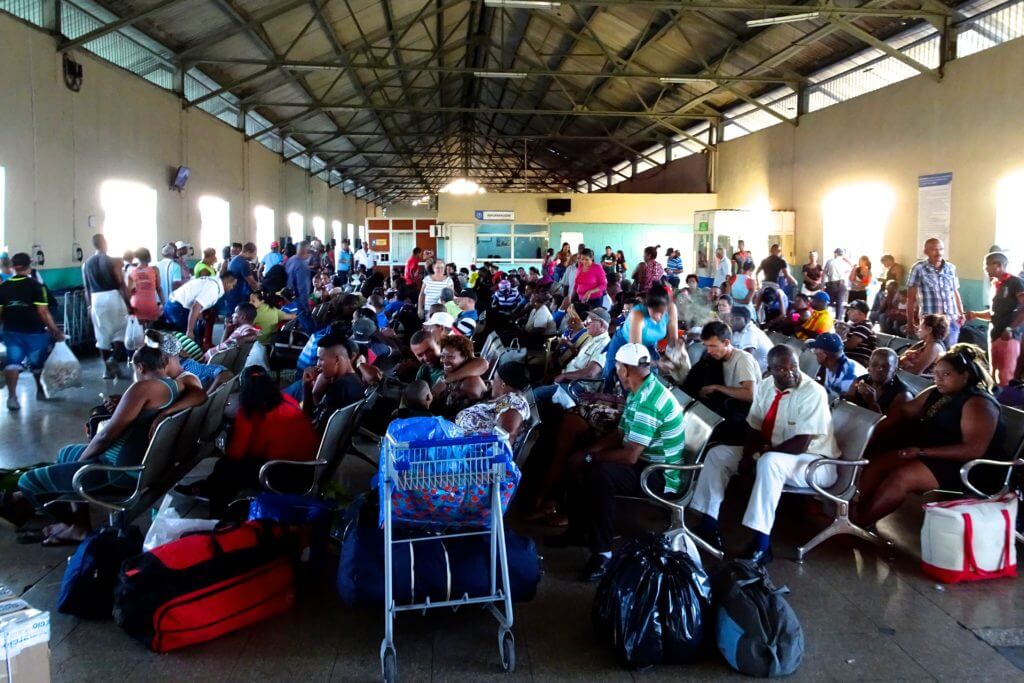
{"x":499,"y":74}
{"x":313,"y":67}
{"x":685,"y":79}
{"x":784,"y":19}
{"x":523,"y":4}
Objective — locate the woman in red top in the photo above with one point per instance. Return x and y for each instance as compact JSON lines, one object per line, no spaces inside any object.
{"x":270,"y":425}
{"x":144,"y":284}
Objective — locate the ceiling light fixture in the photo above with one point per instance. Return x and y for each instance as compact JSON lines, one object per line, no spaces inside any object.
{"x":463,"y":187}
{"x":685,"y":79}
{"x":523,"y":4}
{"x":500,"y":74}
{"x":784,"y":19}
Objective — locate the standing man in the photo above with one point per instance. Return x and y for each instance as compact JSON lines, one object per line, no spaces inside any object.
{"x":723,"y":271}
{"x":245,"y":283}
{"x":205,"y":268}
{"x":344,"y":262}
{"x":25,"y":312}
{"x":741,"y":257}
{"x":182,"y":250}
{"x":188,"y":303}
{"x":413,"y":270}
{"x":894,"y":272}
{"x":837,"y":280}
{"x":271,"y":258}
{"x":108,"y":303}
{"x":775,"y":268}
{"x":1006,"y":315}
{"x":788,"y":428}
{"x":300,"y":279}
{"x":650,"y":431}
{"x":933,"y":287}
{"x":366,"y":258}
{"x":171,"y":275}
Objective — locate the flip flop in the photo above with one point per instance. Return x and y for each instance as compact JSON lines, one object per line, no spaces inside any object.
{"x":57,"y":541}
{"x":30,"y":537}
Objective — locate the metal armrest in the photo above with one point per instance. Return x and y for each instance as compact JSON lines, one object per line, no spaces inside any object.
{"x":78,"y":483}
{"x":270,"y":464}
{"x":651,"y":469}
{"x":965,"y":472}
{"x":822,"y":462}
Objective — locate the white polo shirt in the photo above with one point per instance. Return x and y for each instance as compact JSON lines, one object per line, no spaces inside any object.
{"x":204,"y":290}
{"x":592,"y":351}
{"x":365,"y":258}
{"x":803,"y":411}
{"x":753,"y":337}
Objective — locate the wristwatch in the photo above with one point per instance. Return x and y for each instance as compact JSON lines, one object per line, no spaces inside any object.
{"x":588,"y":458}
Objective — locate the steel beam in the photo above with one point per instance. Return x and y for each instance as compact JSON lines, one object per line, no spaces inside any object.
{"x":761,"y":8}
{"x":128,"y":20}
{"x":404,"y":108}
{"x":878,"y":44}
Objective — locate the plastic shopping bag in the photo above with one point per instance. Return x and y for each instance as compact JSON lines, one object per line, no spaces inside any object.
{"x":134,"y":335}
{"x":653,"y":604}
{"x":169,"y":526}
{"x":61,"y":370}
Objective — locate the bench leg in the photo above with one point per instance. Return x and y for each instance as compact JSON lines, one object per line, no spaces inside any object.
{"x":842,"y":525}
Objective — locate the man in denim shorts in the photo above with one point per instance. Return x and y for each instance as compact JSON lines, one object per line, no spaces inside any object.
{"x":28,"y":325}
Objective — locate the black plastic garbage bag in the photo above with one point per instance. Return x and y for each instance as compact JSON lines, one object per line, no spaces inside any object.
{"x":651,"y":607}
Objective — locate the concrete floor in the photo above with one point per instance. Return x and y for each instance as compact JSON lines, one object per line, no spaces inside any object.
{"x":864,"y":618}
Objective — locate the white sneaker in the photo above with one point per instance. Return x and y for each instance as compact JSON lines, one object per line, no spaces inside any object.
{"x":12,"y":403}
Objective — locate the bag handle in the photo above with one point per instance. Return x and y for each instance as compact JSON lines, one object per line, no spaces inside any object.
{"x":970,"y":562}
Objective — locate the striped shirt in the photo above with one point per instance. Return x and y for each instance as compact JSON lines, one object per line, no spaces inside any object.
{"x":654,"y":419}
{"x":838,"y":383}
{"x":432,"y":290}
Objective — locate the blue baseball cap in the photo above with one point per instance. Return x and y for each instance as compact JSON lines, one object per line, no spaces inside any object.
{"x":828,"y":342}
{"x":823,"y":297}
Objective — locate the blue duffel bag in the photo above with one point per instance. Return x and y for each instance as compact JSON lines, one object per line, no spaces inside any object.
{"x":439,"y":569}
{"x":87,"y":590}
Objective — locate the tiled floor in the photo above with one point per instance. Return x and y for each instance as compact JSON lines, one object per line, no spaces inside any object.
{"x":864,"y":618}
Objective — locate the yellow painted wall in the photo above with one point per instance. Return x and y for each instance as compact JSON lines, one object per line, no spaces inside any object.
{"x":663,"y":209}
{"x":970,"y":124}
{"x":57,"y":147}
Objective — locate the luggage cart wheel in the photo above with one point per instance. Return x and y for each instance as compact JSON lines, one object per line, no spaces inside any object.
{"x":508,"y":651}
{"x":389,"y":662}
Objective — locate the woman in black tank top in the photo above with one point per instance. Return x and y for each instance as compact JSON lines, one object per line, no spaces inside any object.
{"x":922,"y":445}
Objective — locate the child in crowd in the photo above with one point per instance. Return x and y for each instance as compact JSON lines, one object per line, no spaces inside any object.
{"x":417,"y":399}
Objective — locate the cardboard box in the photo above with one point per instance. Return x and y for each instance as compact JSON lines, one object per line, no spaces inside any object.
{"x":24,"y":641}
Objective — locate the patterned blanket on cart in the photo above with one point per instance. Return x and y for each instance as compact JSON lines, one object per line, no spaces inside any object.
{"x":442,"y":480}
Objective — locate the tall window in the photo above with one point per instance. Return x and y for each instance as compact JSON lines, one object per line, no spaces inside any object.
{"x":264,"y":217}
{"x":296,"y":227}
{"x":3,"y":210}
{"x":1010,"y":217}
{"x":350,"y":233}
{"x":319,"y":228}
{"x":215,"y":217}
{"x":129,"y":216}
{"x":855,"y":217}
{"x":336,"y":231}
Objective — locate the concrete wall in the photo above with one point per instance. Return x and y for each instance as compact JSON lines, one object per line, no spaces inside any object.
{"x":968,"y":124}
{"x":57,"y":147}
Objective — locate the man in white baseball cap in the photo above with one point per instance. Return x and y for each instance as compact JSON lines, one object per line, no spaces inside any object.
{"x":439,"y":325}
{"x":650,"y":431}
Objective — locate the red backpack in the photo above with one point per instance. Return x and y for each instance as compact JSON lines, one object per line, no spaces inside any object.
{"x":205,"y":585}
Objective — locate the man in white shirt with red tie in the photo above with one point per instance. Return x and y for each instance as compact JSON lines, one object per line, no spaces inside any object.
{"x":789,"y":427}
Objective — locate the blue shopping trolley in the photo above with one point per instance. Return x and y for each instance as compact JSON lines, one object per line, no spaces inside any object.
{"x":420,"y":470}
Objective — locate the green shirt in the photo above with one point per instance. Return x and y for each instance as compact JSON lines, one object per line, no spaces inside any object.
{"x":267,"y":319}
{"x":203,"y":270}
{"x":654,"y":419}
{"x":430,"y":375}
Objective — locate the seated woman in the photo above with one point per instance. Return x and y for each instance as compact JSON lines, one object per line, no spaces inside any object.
{"x":920,"y":358}
{"x":268,"y":317}
{"x":121,"y":442}
{"x":881,"y":390}
{"x":451,"y":396}
{"x":927,"y":440}
{"x":270,"y":425}
{"x":508,"y":408}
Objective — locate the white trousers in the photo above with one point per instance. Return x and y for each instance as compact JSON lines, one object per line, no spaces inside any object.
{"x":774,"y":471}
{"x":109,"y":318}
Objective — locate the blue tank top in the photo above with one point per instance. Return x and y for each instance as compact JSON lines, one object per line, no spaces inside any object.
{"x":654,"y":330}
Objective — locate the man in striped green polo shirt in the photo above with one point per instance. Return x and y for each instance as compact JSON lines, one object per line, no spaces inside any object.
{"x":651,"y":431}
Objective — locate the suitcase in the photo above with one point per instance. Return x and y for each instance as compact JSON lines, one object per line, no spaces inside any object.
{"x":439,"y":569}
{"x":205,"y":585}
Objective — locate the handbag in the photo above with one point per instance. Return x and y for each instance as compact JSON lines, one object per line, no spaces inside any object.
{"x":970,"y":540}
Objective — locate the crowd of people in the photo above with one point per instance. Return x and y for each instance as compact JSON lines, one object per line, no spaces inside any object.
{"x":596,"y":346}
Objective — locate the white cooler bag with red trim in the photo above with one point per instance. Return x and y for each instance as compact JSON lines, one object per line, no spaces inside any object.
{"x":969,"y":540}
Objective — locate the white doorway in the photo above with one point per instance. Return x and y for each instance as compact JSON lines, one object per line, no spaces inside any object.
{"x":575,"y":239}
